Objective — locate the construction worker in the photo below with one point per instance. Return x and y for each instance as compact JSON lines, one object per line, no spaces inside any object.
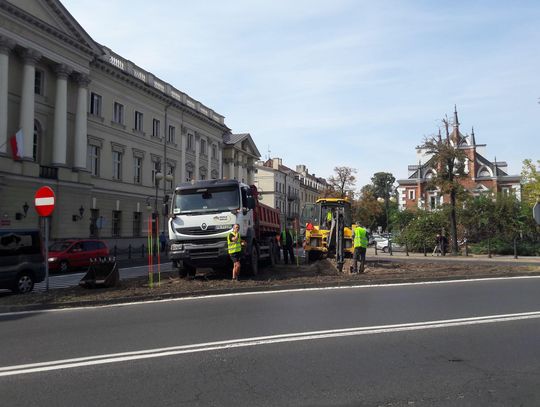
{"x":360,"y":246}
{"x":287,"y":246}
{"x":234,"y":244}
{"x":329,"y":219}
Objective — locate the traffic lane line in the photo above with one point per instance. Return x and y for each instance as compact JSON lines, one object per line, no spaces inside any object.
{"x":257,"y":341}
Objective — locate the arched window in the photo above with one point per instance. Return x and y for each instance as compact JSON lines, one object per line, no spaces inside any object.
{"x":484,"y":172}
{"x":38,"y":133}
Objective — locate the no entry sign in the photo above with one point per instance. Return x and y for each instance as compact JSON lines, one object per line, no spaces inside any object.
{"x":44,"y":201}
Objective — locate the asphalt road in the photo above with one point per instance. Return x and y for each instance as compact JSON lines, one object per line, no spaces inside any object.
{"x":472,"y":343}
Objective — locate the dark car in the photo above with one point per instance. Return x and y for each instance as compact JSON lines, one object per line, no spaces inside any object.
{"x":69,"y":254}
{"x":21,"y":259}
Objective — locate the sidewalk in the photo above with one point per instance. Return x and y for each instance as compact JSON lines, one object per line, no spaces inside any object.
{"x":480,"y":258}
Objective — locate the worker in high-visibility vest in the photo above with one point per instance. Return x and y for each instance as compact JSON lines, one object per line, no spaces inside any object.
{"x":360,"y":244}
{"x":329,"y":219}
{"x":234,"y":246}
{"x":287,"y":246}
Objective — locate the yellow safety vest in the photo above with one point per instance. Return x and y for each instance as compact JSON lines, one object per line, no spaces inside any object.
{"x":360,"y":237}
{"x":329,"y":216}
{"x":234,"y":247}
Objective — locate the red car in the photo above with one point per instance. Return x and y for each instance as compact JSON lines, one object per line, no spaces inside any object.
{"x":69,"y":254}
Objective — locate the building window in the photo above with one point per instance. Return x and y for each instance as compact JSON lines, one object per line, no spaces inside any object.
{"x":95,"y":104}
{"x":35,"y":141}
{"x":412,"y":194}
{"x":433,"y":202}
{"x":116,"y":223}
{"x":505,"y":191}
{"x":171,"y":135}
{"x":189,"y":175}
{"x":137,"y":220}
{"x":214,"y":151}
{"x":93,"y":160}
{"x":118,"y":113}
{"x":203,"y":146}
{"x":190,"y":142}
{"x":117,"y":165}
{"x":94,"y":216}
{"x":39,"y":82}
{"x":138,"y":121}
{"x":155,"y":128}
{"x":137,"y":170}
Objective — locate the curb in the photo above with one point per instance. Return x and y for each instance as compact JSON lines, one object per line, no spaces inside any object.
{"x":202,"y":293}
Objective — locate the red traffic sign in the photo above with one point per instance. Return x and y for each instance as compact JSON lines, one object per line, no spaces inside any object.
{"x":44,"y":201}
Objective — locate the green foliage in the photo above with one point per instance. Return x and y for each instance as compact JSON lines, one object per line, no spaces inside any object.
{"x":505,"y":247}
{"x":343,"y":181}
{"x":422,"y":229}
{"x":530,"y":176}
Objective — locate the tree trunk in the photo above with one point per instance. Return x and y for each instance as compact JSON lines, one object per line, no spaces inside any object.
{"x":453,"y":222}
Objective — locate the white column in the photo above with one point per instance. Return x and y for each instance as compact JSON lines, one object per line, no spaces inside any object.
{"x":26,"y":118}
{"x":239,"y":162}
{"x":183,"y":143}
{"x":231,"y":169}
{"x":197,"y":155}
{"x":60,"y":116}
{"x":220,"y":158}
{"x":81,"y":123}
{"x":6,"y":45}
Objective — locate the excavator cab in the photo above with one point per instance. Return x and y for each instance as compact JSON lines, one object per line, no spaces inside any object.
{"x":321,"y":222}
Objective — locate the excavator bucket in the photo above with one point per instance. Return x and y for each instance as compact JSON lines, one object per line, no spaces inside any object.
{"x":102,"y":272}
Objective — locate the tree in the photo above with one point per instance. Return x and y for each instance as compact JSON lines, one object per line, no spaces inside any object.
{"x":383,"y":186}
{"x":343,"y":181}
{"x":367,"y":211}
{"x":449,"y":162}
{"x":530,"y":176}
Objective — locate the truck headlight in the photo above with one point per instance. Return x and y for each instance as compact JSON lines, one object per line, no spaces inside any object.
{"x":52,"y":259}
{"x":177,"y":246}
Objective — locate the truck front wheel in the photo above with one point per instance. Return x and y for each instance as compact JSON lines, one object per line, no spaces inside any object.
{"x":253,"y":266}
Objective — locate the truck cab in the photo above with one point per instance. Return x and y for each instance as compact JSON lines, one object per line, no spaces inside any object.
{"x":202,"y":215}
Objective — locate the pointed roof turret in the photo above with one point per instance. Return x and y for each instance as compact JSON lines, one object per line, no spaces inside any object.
{"x":473,"y":141}
{"x":456,"y":137}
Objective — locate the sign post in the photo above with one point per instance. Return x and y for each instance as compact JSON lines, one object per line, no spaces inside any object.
{"x":44,"y":203}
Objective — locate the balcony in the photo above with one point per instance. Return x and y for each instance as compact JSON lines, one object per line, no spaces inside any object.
{"x":48,"y":172}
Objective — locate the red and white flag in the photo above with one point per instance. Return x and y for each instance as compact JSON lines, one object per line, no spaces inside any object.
{"x":17,"y":147}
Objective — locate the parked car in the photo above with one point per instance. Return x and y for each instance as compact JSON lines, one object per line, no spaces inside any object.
{"x":21,"y":259}
{"x":383,"y":245}
{"x":70,"y":254}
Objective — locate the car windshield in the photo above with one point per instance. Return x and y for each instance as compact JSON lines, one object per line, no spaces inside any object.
{"x":202,"y":200}
{"x":59,"y":246}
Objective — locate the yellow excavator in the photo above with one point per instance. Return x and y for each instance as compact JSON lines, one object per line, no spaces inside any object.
{"x":328,"y":229}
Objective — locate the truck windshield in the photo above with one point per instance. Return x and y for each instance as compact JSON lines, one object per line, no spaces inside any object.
{"x":206,"y":200}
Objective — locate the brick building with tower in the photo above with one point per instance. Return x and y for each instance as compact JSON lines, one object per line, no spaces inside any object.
{"x":483,"y":175}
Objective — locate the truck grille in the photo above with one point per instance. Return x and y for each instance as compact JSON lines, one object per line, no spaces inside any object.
{"x":197,"y":231}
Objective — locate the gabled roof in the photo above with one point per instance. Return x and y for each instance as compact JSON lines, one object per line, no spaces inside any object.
{"x":52,"y":17}
{"x":242,"y":141}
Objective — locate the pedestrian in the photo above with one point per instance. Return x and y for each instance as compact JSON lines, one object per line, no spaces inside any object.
{"x":360,"y":244}
{"x":444,"y":245}
{"x":234,"y":245}
{"x":438,"y":242}
{"x":163,"y":242}
{"x":287,"y":246}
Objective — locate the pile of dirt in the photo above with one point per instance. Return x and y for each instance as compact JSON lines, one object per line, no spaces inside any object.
{"x":320,"y":273}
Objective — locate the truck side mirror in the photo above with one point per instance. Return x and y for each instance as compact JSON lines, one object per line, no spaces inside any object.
{"x":251,"y":202}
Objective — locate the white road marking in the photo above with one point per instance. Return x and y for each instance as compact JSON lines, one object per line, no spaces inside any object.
{"x":256,"y":341}
{"x":273,"y":292}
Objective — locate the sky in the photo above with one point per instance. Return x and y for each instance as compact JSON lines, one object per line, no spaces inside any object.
{"x":343,"y":82}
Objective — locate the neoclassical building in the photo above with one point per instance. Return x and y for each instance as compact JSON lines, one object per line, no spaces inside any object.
{"x":239,"y":156}
{"x":483,"y":175}
{"x":95,"y":127}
